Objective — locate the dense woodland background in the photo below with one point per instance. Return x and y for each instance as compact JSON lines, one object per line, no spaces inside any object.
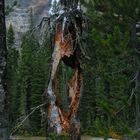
{"x":110,"y":104}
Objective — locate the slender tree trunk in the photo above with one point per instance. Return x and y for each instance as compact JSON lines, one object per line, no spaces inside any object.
{"x":4,"y":134}
{"x":138,"y":108}
{"x":135,"y":46}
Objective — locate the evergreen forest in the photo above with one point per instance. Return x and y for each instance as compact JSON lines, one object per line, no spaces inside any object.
{"x":110,"y":101}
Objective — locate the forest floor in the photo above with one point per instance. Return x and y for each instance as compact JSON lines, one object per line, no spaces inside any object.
{"x":41,"y":138}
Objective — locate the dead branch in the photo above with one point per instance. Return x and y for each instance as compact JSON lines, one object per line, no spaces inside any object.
{"x":22,"y":122}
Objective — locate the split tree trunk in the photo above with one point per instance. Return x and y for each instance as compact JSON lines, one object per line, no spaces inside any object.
{"x":4,"y":133}
{"x":59,"y":120}
{"x":66,"y":25}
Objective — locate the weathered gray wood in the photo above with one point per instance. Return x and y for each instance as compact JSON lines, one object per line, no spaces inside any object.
{"x":4,"y":135}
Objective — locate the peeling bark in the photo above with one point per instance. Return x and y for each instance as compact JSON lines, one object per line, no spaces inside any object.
{"x":58,"y":120}
{"x":67,"y":25}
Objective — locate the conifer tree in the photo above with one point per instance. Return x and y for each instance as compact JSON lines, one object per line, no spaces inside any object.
{"x":12,"y":76}
{"x":104,"y":17}
{"x":10,"y":36}
{"x":28,"y":54}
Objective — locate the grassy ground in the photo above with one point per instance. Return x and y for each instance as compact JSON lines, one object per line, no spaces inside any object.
{"x":41,"y":138}
{"x":28,"y":138}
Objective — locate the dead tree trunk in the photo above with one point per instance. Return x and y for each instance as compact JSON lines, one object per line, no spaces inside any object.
{"x":67,"y":23}
{"x":4,"y":135}
{"x":58,"y":120}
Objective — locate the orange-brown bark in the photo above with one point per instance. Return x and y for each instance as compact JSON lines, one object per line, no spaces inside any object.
{"x":59,"y":120}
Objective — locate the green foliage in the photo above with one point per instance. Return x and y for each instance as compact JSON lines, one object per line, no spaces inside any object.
{"x":32,"y":73}
{"x":58,"y":137}
{"x":108,"y":107}
{"x":12,"y":76}
{"x":10,"y":36}
{"x":108,"y":75}
{"x":110,"y":67}
{"x":28,"y":69}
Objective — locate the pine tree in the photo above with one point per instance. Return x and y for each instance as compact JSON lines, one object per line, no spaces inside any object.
{"x":10,"y":36}
{"x":28,"y":53}
{"x":12,"y":76}
{"x":104,"y":16}
{"x":126,"y":15}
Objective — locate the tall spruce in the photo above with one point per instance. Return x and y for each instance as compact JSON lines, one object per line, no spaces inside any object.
{"x":105,"y":16}
{"x":126,"y":15}
{"x":12,"y":76}
{"x":28,"y":54}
